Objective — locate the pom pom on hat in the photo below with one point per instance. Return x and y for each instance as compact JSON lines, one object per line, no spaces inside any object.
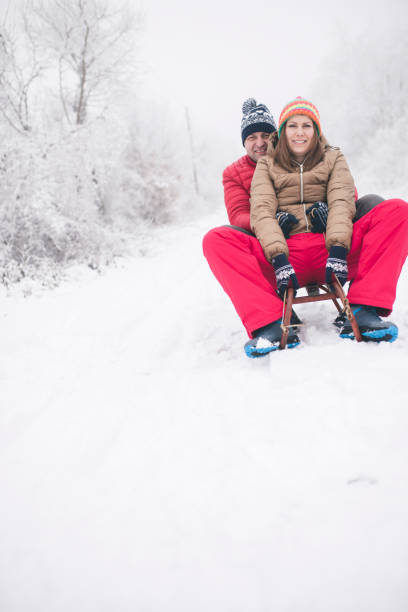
{"x":256,"y":118}
{"x":248,"y":106}
{"x":299,"y":106}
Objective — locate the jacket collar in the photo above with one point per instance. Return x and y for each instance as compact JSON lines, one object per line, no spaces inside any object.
{"x":250,"y":161}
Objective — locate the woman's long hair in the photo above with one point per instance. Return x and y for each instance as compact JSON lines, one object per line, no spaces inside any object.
{"x":284,"y":157}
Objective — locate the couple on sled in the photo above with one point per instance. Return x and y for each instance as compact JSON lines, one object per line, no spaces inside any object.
{"x":295,"y":221}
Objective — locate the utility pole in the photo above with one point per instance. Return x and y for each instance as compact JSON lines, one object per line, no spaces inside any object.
{"x":190,"y":135}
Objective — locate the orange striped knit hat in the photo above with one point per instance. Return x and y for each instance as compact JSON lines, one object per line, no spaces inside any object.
{"x":299,"y":106}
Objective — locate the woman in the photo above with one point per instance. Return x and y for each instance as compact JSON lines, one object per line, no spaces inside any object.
{"x":301,"y":169}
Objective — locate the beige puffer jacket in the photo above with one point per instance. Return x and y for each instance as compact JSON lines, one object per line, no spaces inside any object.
{"x":274,"y":189}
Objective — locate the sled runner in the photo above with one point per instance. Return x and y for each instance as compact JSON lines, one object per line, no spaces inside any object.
{"x":317,"y":293}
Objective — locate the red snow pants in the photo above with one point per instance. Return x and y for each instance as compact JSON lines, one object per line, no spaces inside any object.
{"x":378,"y":251}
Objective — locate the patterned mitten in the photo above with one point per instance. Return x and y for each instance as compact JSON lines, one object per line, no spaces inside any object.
{"x":318,"y":216}
{"x":285,"y":275}
{"x":286,"y":222}
{"x":337,"y":264}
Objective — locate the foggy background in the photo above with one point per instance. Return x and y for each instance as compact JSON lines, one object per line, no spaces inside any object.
{"x":212,"y":56}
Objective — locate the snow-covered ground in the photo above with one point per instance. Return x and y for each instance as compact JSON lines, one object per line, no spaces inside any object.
{"x":147,"y":465}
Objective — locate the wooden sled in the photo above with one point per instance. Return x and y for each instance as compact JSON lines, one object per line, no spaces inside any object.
{"x":317,"y":293}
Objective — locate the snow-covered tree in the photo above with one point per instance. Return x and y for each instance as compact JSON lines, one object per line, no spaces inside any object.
{"x":88,"y":44}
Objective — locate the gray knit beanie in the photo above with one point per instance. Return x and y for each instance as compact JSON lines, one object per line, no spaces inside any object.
{"x":256,"y":118}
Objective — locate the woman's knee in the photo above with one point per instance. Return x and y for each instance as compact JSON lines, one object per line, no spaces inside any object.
{"x":396,"y":206}
{"x":400,"y":208}
{"x":390,"y":213}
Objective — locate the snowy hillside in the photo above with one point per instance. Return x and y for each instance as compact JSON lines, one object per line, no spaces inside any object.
{"x":148,"y":465}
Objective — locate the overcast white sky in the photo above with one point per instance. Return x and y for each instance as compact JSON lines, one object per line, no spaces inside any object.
{"x":211,"y":56}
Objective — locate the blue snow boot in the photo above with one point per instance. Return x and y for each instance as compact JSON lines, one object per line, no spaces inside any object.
{"x":267,"y":339}
{"x":372,"y":327}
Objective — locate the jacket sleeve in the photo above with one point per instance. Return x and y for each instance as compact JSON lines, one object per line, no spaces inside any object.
{"x":341,"y":202}
{"x":236,"y":199}
{"x":264,"y":205}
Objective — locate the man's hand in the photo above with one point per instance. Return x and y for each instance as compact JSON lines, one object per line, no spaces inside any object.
{"x":337,"y":264}
{"x":285,"y":275}
{"x":286,"y":222}
{"x":318,"y":216}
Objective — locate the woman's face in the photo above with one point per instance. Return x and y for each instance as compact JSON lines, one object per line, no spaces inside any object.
{"x":299,"y":134}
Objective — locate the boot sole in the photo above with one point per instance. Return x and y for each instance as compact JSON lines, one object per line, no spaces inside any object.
{"x":388,"y":334}
{"x":253,"y":353}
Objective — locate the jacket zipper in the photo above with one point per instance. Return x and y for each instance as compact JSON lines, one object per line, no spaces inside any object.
{"x":301,"y":193}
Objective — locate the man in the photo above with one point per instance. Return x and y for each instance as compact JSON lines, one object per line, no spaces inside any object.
{"x":256,"y":126}
{"x":237,"y":261}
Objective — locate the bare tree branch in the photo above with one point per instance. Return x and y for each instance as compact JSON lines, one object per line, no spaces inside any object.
{"x":92,"y":44}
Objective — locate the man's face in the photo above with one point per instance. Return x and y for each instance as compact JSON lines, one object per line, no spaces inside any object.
{"x":256,"y":145}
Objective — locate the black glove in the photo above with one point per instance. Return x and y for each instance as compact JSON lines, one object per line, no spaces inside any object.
{"x":286,"y":222}
{"x":318,"y":216}
{"x":337,"y":264}
{"x":285,"y":275}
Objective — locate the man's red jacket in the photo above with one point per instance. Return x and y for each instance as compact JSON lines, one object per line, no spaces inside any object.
{"x":237,"y":180}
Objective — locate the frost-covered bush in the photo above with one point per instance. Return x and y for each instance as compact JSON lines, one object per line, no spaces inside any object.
{"x":149,"y":185}
{"x":153,"y":182}
{"x":52,"y":206}
{"x":82,"y":195}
